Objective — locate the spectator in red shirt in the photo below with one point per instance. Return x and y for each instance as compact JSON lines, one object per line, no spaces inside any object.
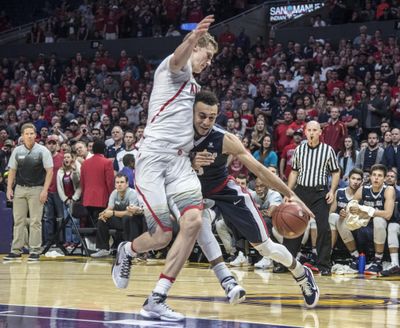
{"x":381,"y":8}
{"x":226,"y":37}
{"x":53,"y":208}
{"x":299,"y":123}
{"x":95,"y":191}
{"x":334,"y":82}
{"x":282,"y":139}
{"x":336,"y":131}
{"x":195,"y":14}
{"x":285,"y":165}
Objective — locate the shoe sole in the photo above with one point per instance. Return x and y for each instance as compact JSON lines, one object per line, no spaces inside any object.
{"x":314,"y":304}
{"x":263,"y":267}
{"x":155,"y":316}
{"x":113,"y":266}
{"x":16,"y":259}
{"x":238,"y":297}
{"x":371,"y":273}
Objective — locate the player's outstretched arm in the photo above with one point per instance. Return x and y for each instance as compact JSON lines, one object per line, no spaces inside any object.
{"x":233,"y":146}
{"x":184,"y":51}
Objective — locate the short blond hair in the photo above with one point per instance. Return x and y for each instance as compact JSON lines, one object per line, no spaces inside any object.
{"x":204,"y":41}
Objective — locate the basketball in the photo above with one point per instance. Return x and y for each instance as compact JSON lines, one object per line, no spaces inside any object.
{"x":290,"y":220}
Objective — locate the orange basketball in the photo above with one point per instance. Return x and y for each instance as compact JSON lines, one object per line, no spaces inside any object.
{"x":290,"y":220}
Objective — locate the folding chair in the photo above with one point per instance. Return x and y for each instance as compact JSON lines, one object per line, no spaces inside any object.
{"x":56,"y":237}
{"x":88,"y":232}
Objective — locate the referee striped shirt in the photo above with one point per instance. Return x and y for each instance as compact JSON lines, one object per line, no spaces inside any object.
{"x":314,"y":164}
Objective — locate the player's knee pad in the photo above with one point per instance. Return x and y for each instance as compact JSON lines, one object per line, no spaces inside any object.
{"x":393,"y":235}
{"x":275,"y":251}
{"x":206,"y":239}
{"x":333,"y":220}
{"x":344,"y":232}
{"x":380,"y":225}
{"x":277,"y":235}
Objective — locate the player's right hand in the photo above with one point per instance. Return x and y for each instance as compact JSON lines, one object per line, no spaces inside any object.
{"x":203,"y":26}
{"x":296,"y":199}
{"x":201,"y":159}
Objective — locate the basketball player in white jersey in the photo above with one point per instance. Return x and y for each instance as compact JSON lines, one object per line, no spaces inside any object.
{"x":165,"y":180}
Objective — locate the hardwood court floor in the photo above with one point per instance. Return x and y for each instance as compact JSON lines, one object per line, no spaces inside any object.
{"x":56,"y":293}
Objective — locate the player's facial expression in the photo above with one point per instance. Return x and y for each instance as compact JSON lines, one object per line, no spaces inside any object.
{"x":241,"y":182}
{"x":395,"y":135}
{"x":348,"y":142}
{"x":372,"y":139}
{"x":129,"y":139}
{"x":121,"y":184}
{"x":204,"y":118}
{"x":355,"y":181}
{"x":260,"y":188}
{"x":313,"y":131}
{"x":391,"y":178}
{"x":202,"y":58}
{"x":67,"y":159}
{"x":29,"y":137}
{"x":377,"y":178}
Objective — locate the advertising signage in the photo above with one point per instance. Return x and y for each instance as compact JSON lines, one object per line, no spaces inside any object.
{"x":286,"y":12}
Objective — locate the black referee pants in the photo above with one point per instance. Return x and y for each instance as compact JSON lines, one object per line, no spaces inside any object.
{"x":314,"y":198}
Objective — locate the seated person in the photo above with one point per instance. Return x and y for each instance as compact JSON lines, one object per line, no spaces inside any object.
{"x":122,"y":213}
{"x":129,"y":169}
{"x":338,"y":212}
{"x":393,"y":230}
{"x":228,"y":235}
{"x":266,"y":200}
{"x":380,"y":198}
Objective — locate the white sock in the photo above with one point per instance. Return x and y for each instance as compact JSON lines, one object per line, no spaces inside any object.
{"x":355,"y":253}
{"x":394,"y":258}
{"x":163,"y":286}
{"x":129,"y":250}
{"x":221,"y":271}
{"x":298,"y":270}
{"x":379,"y":256}
{"x":314,"y":250}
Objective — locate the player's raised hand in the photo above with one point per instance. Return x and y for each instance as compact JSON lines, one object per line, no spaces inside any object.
{"x":203,"y":26}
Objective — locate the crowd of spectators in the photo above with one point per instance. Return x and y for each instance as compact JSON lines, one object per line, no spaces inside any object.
{"x":267,"y":91}
{"x":341,"y":11}
{"x":95,"y":20}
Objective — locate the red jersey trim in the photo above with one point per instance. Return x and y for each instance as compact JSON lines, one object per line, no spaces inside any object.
{"x":169,"y":101}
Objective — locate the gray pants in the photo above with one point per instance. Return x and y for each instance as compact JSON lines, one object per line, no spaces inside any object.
{"x":27,"y":199}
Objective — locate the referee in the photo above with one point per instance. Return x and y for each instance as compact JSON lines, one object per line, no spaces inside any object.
{"x":311,"y":163}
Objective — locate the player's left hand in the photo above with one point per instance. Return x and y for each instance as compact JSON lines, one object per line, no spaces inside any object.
{"x":329,"y":197}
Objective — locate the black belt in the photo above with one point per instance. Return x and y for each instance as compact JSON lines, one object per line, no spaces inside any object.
{"x":29,"y":186}
{"x":318,"y":187}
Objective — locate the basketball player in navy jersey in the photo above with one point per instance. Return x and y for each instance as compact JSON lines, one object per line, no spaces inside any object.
{"x":338,"y":213}
{"x":212,"y":148}
{"x":393,"y":230}
{"x":381,"y":198}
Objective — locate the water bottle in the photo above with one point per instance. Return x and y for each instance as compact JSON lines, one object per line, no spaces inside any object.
{"x":361,"y":263}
